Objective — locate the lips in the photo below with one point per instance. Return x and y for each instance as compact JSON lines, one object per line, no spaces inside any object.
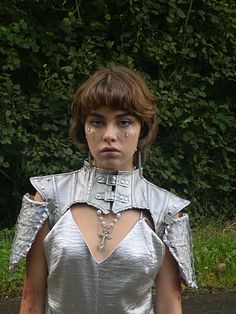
{"x":109,"y":150}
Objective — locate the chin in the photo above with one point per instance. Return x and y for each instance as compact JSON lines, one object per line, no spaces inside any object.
{"x":109,"y":166}
{"x":115,"y":166}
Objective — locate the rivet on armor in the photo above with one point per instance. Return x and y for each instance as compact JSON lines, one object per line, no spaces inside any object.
{"x":168,"y":219}
{"x":99,"y":179}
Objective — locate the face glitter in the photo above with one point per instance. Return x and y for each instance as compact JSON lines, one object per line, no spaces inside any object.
{"x":112,"y":130}
{"x":112,"y":136}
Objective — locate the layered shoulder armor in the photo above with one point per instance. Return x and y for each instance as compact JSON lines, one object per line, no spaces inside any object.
{"x":107,"y":191}
{"x":178,"y":238}
{"x":30,"y":220}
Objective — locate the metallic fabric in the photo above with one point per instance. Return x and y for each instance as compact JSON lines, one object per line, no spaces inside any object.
{"x":177,"y":236}
{"x":30,"y":220}
{"x":121,"y":283}
{"x":94,"y":186}
{"x":101,"y":188}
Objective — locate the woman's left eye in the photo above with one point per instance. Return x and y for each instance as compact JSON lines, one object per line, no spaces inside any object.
{"x":124,"y":123}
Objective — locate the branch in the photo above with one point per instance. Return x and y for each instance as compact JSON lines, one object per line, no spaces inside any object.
{"x":7,"y":176}
{"x":186,"y":21}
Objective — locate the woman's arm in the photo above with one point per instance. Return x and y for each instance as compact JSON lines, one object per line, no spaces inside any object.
{"x":168,"y":288}
{"x":35,"y":285}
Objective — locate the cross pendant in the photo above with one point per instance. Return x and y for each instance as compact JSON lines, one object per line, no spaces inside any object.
{"x":104,"y":235}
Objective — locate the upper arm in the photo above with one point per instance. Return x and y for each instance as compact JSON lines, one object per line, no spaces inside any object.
{"x":35,"y":259}
{"x":35,"y":286}
{"x":38,"y":197}
{"x":168,"y":288}
{"x":168,"y":285}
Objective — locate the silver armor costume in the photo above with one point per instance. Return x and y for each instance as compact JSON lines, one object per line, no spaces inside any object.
{"x":122,"y":283}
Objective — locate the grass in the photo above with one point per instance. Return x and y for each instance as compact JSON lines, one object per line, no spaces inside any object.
{"x":10,"y":283}
{"x":215,"y":255}
{"x":214,"y":252}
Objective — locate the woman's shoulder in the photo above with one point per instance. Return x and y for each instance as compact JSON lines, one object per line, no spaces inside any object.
{"x":54,"y":175}
{"x":169,"y":201}
{"x":46,"y":185}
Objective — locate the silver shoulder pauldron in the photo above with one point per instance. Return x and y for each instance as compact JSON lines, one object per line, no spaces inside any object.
{"x":177,"y":237}
{"x":100,"y":188}
{"x":30,"y":220}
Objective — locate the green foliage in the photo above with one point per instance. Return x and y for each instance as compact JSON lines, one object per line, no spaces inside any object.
{"x":215,"y":255}
{"x":11,"y":284}
{"x":184,"y":49}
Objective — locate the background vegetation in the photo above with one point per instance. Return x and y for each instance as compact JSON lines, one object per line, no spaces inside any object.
{"x":184,"y":49}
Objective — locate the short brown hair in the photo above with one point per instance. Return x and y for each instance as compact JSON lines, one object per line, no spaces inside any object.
{"x":120,"y":88}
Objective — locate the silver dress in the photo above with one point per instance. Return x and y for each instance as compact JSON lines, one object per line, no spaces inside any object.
{"x":121,"y":283}
{"x":77,"y":283}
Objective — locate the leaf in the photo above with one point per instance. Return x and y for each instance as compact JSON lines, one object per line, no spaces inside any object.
{"x":34,"y":47}
{"x":189,"y":29}
{"x":181,"y":13}
{"x":108,"y":17}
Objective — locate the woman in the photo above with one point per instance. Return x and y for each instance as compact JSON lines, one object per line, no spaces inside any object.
{"x":97,"y":239}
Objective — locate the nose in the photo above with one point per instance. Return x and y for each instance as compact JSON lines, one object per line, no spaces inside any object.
{"x":110,"y":134}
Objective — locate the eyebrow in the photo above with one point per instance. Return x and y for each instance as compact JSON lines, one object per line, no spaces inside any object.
{"x":118,"y":116}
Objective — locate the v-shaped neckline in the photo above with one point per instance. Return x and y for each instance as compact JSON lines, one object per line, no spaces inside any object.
{"x":113,"y":250}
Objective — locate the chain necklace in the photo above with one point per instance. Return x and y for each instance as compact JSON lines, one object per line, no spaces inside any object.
{"x":105,"y":229}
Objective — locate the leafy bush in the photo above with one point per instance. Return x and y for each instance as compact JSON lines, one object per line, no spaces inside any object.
{"x":184,"y":49}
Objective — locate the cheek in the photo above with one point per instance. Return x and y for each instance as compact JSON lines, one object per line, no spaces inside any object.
{"x":131,"y":134}
{"x":131,"y":142}
{"x":90,"y":136}
{"x":91,"y":140}
{"x":94,"y":137}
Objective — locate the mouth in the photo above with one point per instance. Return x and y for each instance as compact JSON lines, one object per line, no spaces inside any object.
{"x":109,"y":150}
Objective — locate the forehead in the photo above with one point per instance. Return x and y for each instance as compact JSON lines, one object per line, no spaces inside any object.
{"x":108,"y":112}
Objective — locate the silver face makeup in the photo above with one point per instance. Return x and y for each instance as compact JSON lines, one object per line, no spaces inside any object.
{"x":100,"y":130}
{"x":112,"y":137}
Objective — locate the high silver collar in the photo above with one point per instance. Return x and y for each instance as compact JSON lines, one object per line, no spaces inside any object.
{"x":108,"y":190}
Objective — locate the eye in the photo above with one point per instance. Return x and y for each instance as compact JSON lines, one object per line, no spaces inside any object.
{"x":96,"y":123}
{"x":124,"y":123}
